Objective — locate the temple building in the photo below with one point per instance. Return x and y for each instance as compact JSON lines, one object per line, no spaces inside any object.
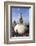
{"x":20,"y":27}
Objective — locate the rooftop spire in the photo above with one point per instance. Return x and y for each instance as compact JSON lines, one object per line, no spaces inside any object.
{"x":21,"y":19}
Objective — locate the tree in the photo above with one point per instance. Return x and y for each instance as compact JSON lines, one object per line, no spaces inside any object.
{"x":14,"y":22}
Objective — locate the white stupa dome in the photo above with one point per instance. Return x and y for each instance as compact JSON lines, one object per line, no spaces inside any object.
{"x":20,"y":28}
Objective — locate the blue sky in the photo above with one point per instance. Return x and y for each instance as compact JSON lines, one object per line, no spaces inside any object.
{"x":16,"y":14}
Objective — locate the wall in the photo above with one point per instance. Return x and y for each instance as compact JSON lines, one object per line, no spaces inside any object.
{"x":35,"y":21}
{"x":2,"y":24}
